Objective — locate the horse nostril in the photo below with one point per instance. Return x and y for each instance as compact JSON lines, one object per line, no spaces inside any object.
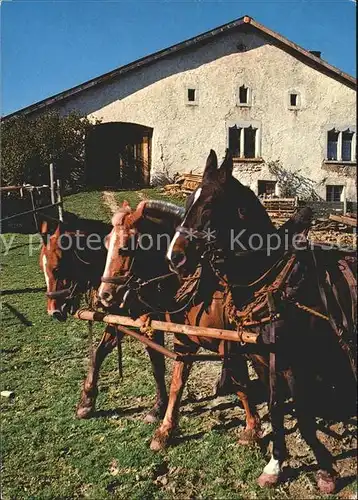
{"x":58,"y":315}
{"x":178,"y":258}
{"x":106,"y":297}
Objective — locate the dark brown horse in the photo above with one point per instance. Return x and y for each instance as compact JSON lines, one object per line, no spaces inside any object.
{"x":265,"y":280}
{"x":138,"y":276}
{"x":72,"y":259}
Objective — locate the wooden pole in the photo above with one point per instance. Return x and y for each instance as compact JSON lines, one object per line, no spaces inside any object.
{"x":196,"y":331}
{"x":52,"y":184}
{"x":59,"y":200}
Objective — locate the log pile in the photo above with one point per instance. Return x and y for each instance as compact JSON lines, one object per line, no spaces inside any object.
{"x":184,"y":184}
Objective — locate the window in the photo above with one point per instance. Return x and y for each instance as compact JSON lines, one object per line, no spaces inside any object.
{"x":334,"y":193}
{"x":249,"y":142}
{"x":266,"y":188}
{"x":244,"y":96}
{"x":294,"y":99}
{"x":347,"y":142}
{"x":234,"y":140}
{"x":332,"y":145}
{"x":244,"y":140}
{"x":341,"y":145}
{"x":191,"y":95}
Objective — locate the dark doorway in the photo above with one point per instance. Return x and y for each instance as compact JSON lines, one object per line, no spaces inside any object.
{"x":118,"y":154}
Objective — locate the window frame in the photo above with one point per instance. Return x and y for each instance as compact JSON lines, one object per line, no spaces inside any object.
{"x":341,"y":193}
{"x":266,"y":182}
{"x":186,"y":96}
{"x":249,"y":96}
{"x":242,"y":125}
{"x":340,"y":130}
{"x":288,"y":100}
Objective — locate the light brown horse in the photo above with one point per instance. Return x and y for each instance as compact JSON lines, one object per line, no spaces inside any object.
{"x":129,"y":263}
{"x":72,"y":271}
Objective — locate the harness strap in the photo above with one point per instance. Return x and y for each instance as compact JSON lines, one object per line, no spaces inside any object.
{"x":272,"y":362}
{"x":338,"y":329}
{"x":59,"y":293}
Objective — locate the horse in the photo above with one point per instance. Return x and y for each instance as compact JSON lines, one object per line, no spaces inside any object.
{"x":277,"y":290}
{"x":72,"y":258}
{"x":132,"y":277}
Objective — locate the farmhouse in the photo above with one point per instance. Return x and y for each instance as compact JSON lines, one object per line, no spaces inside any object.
{"x":239,"y":86}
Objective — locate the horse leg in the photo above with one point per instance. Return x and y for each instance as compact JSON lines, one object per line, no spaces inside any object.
{"x":326,"y":475}
{"x":241,"y":379}
{"x":158,"y":366}
{"x":271,"y":474}
{"x":87,"y":404}
{"x":162,"y":435}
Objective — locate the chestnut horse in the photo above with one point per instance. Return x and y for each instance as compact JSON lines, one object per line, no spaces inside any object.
{"x":72,"y":259}
{"x":242,"y":252}
{"x":137,"y":276}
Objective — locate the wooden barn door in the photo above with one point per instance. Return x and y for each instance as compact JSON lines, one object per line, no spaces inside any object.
{"x":118,"y":154}
{"x":134,"y":163}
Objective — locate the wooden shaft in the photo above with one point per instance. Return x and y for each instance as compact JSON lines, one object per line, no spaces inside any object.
{"x":196,"y":331}
{"x":149,"y":343}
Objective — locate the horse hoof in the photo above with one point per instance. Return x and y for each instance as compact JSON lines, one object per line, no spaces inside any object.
{"x":159,"y":441}
{"x":268,"y":480}
{"x":151,"y":417}
{"x":156,"y":414}
{"x":326,"y":482}
{"x":249,"y":437}
{"x":83,"y":412}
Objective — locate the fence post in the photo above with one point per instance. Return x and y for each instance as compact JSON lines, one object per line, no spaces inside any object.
{"x":59,"y":199}
{"x":52,"y":184}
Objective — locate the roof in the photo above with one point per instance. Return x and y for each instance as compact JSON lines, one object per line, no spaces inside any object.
{"x":285,"y":44}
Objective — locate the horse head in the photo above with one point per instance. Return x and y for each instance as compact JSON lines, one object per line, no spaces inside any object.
{"x":136,"y":247}
{"x":53,"y":264}
{"x":72,"y":257}
{"x":219,"y":210}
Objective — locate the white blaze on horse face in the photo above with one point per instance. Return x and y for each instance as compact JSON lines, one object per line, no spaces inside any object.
{"x":273,"y":467}
{"x":44,"y":265}
{"x":111,"y":247}
{"x":177,"y":234}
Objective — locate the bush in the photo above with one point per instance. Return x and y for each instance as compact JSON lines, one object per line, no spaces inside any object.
{"x":29,"y":145}
{"x":293,"y":183}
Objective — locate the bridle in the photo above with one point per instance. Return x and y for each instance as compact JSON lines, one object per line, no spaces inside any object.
{"x":73,"y":290}
{"x":130,"y":282}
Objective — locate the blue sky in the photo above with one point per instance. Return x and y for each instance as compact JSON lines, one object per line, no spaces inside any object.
{"x":48,"y":46}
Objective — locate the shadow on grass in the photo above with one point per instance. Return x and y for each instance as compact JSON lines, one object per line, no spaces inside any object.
{"x":23,"y":290}
{"x":21,"y":317}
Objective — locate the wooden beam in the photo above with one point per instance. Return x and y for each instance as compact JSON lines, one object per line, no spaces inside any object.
{"x":195,"y":331}
{"x":343,"y":219}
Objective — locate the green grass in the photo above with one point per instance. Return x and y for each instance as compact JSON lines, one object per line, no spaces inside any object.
{"x":47,"y":453}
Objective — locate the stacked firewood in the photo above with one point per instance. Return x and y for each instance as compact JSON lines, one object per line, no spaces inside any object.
{"x":184,"y":184}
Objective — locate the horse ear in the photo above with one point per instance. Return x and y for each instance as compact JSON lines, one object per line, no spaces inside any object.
{"x":211,"y":166}
{"x":225,"y":171}
{"x":44,"y":227}
{"x":57,"y":233}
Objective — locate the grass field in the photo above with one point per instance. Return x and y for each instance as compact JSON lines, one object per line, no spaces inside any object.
{"x":48,"y":453}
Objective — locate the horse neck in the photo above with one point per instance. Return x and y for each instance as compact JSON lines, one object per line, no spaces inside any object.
{"x":152,"y":262}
